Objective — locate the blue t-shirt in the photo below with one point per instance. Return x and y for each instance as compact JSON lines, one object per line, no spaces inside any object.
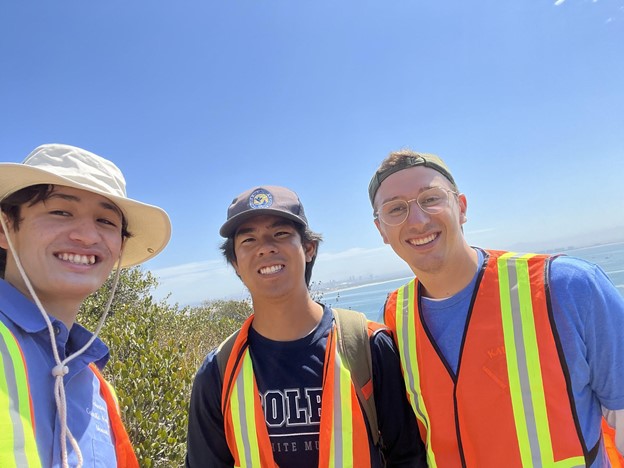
{"x":289,"y":375}
{"x":87,"y":413}
{"x":589,"y":316}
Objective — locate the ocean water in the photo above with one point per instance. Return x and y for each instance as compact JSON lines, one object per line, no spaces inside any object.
{"x":370,"y":298}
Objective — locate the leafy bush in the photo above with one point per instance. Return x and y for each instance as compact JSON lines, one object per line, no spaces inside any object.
{"x":156,"y":349}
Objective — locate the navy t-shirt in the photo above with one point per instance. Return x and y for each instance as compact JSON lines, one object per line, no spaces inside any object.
{"x":289,"y":377}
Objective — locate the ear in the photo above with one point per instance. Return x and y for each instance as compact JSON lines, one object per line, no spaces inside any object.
{"x":381,"y":231}
{"x":463,"y":208}
{"x":235,"y":266}
{"x":309,"y":250}
{"x":3,"y":239}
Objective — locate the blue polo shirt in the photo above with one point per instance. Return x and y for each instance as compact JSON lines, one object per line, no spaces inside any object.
{"x":87,"y":414}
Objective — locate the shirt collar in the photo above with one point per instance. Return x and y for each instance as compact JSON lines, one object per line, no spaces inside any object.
{"x":21,"y":310}
{"x":25,"y":314}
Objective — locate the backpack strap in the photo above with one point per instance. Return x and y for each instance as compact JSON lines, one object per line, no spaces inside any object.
{"x":223,"y":352}
{"x":354,"y":342}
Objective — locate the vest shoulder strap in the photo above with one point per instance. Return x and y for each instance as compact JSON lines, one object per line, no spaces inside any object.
{"x":354,"y":345}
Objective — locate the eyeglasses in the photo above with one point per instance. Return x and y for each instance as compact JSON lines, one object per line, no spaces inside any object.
{"x":431,"y":201}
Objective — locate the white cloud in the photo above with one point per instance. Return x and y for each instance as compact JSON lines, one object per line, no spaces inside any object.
{"x":559,"y":2}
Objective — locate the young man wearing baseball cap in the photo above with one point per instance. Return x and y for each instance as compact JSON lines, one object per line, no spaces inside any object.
{"x":284,"y":395}
{"x":66,"y":224}
{"x":510,"y":359}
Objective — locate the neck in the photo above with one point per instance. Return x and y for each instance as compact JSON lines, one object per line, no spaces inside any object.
{"x":286,"y":319}
{"x":453,"y":276}
{"x":64,"y":309}
{"x":65,"y":312}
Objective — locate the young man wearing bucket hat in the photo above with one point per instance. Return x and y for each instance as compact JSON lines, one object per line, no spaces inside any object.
{"x":510,"y":359}
{"x":66,"y":223}
{"x":282,"y":391}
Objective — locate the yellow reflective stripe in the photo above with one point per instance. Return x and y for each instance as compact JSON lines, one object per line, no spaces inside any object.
{"x":18,"y":447}
{"x":406,"y":337}
{"x":114,"y":394}
{"x":515,"y":389}
{"x":524,"y":365}
{"x":242,"y":406}
{"x":341,"y":447}
{"x":574,"y":462}
{"x":533,"y":363}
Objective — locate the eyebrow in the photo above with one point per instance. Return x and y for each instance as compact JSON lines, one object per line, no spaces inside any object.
{"x":396,"y":197}
{"x":278,"y":223}
{"x":73,"y":198}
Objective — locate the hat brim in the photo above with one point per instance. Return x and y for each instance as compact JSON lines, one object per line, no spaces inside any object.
{"x":231,"y":225}
{"x":149,"y":225}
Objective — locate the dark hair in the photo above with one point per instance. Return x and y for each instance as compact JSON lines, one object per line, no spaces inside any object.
{"x":12,"y":204}
{"x":306,"y":234}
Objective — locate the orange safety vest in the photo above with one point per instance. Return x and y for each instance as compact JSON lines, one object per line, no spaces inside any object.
{"x":124,"y":452}
{"x":510,"y":404}
{"x":19,"y":422}
{"x":615,"y":457}
{"x":343,"y":438}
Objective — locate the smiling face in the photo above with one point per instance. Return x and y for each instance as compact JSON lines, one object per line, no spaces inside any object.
{"x":429,"y":243}
{"x":271,"y":258}
{"x":67,"y":244}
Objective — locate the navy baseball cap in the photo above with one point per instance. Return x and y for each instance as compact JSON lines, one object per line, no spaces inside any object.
{"x":263,"y":200}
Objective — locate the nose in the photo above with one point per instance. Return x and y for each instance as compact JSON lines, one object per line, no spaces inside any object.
{"x":416,"y":215}
{"x":85,"y":231}
{"x":267,"y":245}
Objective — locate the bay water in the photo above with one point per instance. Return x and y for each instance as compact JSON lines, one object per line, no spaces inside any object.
{"x":370,"y":298}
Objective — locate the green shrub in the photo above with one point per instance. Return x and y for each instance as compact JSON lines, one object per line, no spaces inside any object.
{"x":155,"y":350}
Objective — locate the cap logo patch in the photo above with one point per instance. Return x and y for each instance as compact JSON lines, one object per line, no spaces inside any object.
{"x":260,"y":199}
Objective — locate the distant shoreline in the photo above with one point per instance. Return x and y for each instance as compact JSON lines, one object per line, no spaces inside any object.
{"x":363,"y":285}
{"x":345,"y":286}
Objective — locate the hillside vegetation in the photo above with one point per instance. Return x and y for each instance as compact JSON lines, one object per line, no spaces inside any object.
{"x":155,"y":349}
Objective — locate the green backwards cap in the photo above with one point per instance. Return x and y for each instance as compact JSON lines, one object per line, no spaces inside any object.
{"x":417,"y":159}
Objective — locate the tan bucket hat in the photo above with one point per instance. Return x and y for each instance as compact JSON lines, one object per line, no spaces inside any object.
{"x":70,"y":166}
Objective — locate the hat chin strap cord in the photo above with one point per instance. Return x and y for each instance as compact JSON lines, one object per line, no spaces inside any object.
{"x":61,"y":369}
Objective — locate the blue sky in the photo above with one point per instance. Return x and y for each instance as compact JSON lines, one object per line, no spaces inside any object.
{"x":197,"y":101}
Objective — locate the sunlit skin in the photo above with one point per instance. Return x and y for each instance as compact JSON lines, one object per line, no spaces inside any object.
{"x":67,"y":245}
{"x":433,"y":245}
{"x":271,"y":261}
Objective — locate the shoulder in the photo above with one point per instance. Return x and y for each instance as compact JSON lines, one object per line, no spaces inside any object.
{"x":382,"y":342}
{"x":208,"y":374}
{"x":6,"y":322}
{"x":582,"y":292}
{"x":13,"y":336}
{"x":573,"y":273}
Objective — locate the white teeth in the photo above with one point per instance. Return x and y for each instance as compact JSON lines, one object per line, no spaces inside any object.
{"x":424,"y":240}
{"x":76,"y":258}
{"x":271,"y":269}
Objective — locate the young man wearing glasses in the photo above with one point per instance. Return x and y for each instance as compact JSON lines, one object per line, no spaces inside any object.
{"x":510,"y":359}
